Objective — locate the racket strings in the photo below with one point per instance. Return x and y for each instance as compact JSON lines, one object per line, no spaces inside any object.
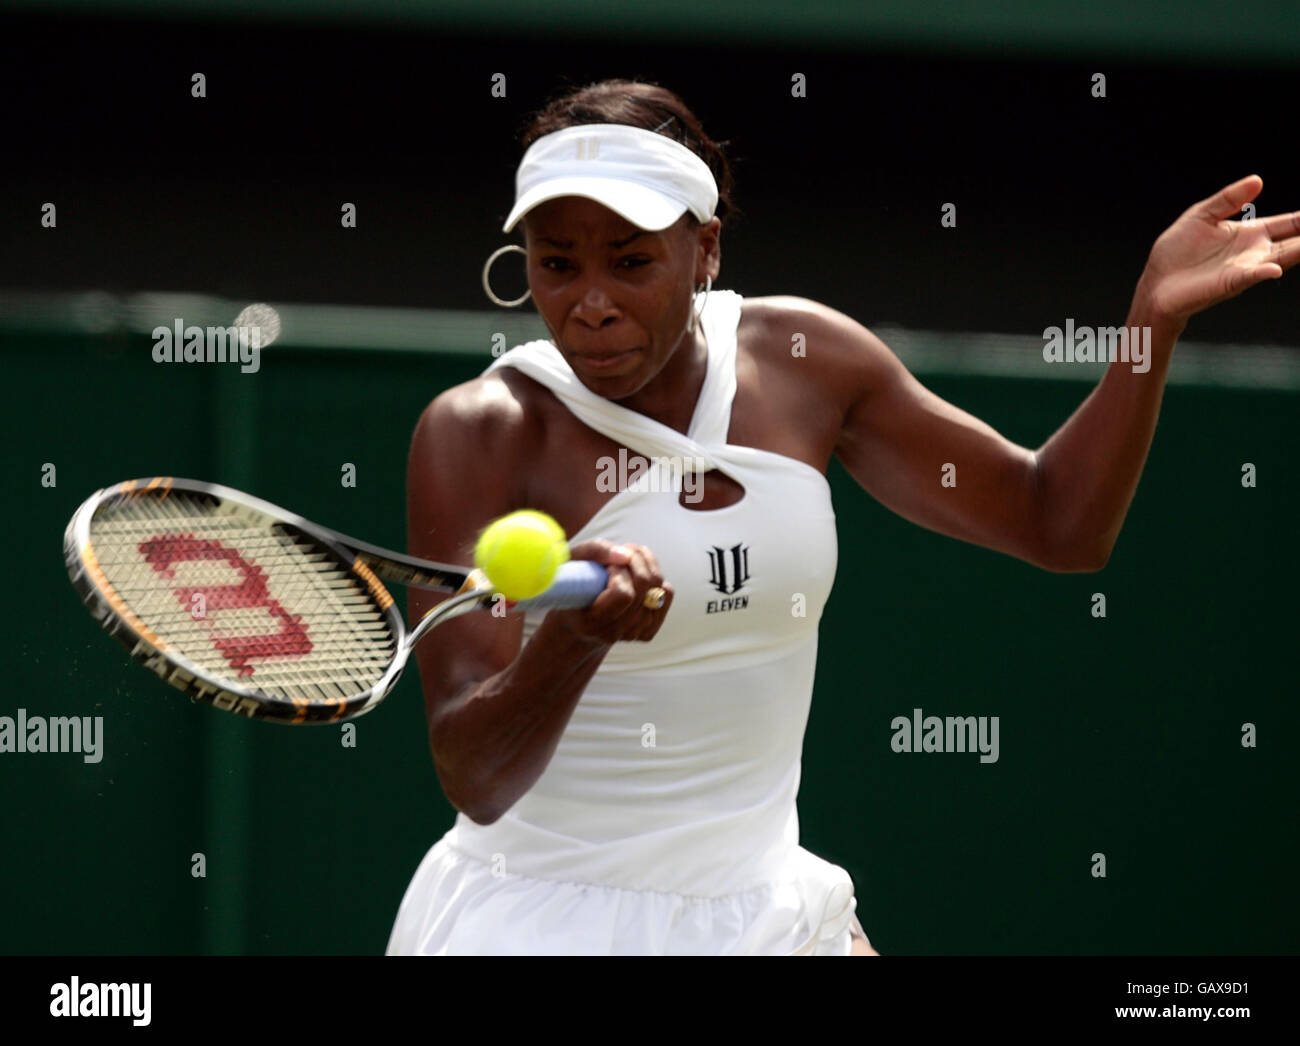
{"x":245,"y":597}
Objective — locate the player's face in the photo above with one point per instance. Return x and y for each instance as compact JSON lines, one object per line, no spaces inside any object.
{"x":616,"y":298}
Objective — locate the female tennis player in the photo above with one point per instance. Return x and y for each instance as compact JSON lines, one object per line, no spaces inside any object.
{"x":626,"y":776}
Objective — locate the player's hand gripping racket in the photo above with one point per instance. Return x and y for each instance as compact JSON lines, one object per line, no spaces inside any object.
{"x":256,"y":610}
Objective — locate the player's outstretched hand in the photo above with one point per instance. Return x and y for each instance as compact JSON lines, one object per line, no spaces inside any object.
{"x":1203,"y":258}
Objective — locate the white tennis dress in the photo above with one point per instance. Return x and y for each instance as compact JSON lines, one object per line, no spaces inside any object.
{"x":665,"y":823}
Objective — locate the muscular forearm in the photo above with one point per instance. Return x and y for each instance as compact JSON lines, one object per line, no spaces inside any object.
{"x":1088,"y":470}
{"x":495,"y":739}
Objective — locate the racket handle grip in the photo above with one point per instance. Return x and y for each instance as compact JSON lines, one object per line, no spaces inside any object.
{"x":577,"y":584}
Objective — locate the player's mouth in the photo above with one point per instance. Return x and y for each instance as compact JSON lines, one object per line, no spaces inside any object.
{"x":606,"y":361}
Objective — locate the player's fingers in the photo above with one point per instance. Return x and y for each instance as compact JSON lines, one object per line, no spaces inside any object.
{"x":1229,"y":200}
{"x":620,"y":613}
{"x":654,"y":619}
{"x":614,"y":558}
{"x":1280,"y":226}
{"x":644,"y":568}
{"x":617,"y":598}
{"x":599,"y":550}
{"x":629,"y":617}
{"x":649,"y":580}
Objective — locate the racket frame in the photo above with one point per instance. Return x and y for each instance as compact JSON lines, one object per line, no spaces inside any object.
{"x":367,"y":563}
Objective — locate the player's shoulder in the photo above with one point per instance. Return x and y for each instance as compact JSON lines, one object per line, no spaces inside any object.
{"x":784,"y":315}
{"x":493,"y":413}
{"x":787,"y":326}
{"x":504,"y":398}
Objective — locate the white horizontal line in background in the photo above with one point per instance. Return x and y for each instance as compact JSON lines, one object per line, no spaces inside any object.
{"x":472,"y":333}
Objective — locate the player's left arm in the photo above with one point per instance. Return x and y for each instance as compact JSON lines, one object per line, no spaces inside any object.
{"x":1060,"y":507}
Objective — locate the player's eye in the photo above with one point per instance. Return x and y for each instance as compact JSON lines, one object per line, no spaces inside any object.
{"x":555,"y":263}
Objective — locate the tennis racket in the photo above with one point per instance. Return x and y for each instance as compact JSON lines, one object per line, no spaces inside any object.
{"x":260,"y":612}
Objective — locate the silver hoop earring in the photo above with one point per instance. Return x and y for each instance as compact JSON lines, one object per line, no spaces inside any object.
{"x":487,"y":287}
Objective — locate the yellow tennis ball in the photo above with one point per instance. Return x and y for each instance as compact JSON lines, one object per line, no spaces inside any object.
{"x":521,"y":552}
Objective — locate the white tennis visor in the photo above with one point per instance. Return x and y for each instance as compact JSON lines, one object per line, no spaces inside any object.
{"x":642,"y":175}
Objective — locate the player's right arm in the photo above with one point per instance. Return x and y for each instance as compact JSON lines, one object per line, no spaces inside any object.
{"x":496,"y":707}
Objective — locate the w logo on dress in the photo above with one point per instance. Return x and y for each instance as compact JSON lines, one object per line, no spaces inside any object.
{"x":736,"y":559}
{"x":588,"y":148}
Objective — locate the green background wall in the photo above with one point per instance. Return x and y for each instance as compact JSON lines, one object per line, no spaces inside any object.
{"x":1119,"y":736}
{"x":1207,"y":30}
